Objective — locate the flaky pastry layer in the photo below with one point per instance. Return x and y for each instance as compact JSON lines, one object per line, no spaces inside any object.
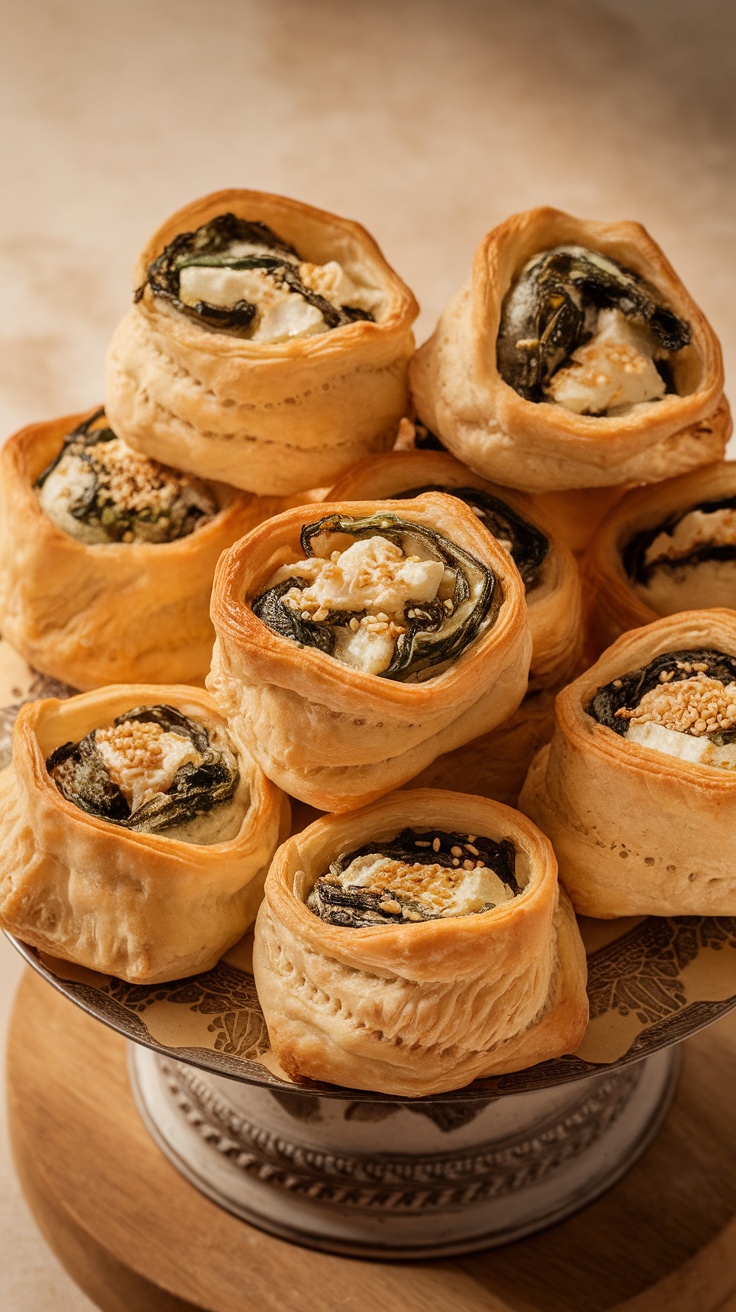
{"x":334,"y":736}
{"x":612,"y":604}
{"x":540,"y":446}
{"x":636,"y":831}
{"x":114,"y":612}
{"x":416,"y":1009}
{"x":143,"y":907}
{"x":270,"y":418}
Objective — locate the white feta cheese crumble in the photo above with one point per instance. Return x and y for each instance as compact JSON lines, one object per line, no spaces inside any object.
{"x":280,"y":312}
{"x":611,"y":372}
{"x":142,"y":758}
{"x":435,"y":889}
{"x":683,"y":745}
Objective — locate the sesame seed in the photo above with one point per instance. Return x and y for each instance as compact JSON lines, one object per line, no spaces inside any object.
{"x":469,"y":848}
{"x":456,"y":851}
{"x":436,"y":844}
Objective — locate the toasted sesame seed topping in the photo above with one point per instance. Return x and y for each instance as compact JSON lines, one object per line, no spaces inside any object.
{"x":436,"y":844}
{"x":698,"y":705}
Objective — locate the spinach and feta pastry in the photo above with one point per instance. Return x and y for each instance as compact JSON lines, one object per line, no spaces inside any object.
{"x":238,"y":276}
{"x":637,"y":789}
{"x":573,"y":358}
{"x":581,"y":331}
{"x":400,"y":601}
{"x":107,"y":559}
{"x":357,"y":641}
{"x":267,"y":345}
{"x":682,"y":703}
{"x":688,"y":561}
{"x":134,"y":834}
{"x":154,"y":770}
{"x":99,"y":490}
{"x":661,"y":550}
{"x":382,"y":965}
{"x":547,"y":569}
{"x":419,"y":875}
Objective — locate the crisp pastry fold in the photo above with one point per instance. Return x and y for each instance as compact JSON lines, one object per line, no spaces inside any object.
{"x":547,"y":568}
{"x":445,"y":982}
{"x":138,"y":903}
{"x":106,"y":611}
{"x":573,"y":358}
{"x":660,"y":550}
{"x":418,"y":651}
{"x":277,"y":390}
{"x":637,"y":789}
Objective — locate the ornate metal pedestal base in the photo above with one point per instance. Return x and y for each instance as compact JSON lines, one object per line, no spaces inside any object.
{"x":373,"y":1178}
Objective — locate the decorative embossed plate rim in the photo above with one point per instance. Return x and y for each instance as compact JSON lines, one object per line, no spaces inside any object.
{"x":638,"y":975}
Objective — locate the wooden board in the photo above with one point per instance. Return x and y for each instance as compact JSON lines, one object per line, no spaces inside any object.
{"x":136,"y":1236}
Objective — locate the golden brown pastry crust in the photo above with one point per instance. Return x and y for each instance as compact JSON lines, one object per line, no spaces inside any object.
{"x":554,"y":606}
{"x":636,"y":832}
{"x":541,"y":446}
{"x":115,"y":612}
{"x":334,"y":736}
{"x":418,"y":1008}
{"x":611,"y":604}
{"x":496,"y":764}
{"x":143,"y":907}
{"x":272,"y":418}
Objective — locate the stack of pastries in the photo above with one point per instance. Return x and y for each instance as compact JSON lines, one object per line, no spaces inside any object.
{"x":366,"y":554}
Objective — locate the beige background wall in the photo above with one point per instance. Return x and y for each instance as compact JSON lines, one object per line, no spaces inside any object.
{"x":427,"y":120}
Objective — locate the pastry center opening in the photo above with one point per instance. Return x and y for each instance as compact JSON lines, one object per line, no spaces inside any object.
{"x":99,"y":490}
{"x":687,"y":562}
{"x":238,"y":276}
{"x":682,"y":704}
{"x":155,"y":770}
{"x":582,"y":331}
{"x":382,"y":596}
{"x":420,"y":875}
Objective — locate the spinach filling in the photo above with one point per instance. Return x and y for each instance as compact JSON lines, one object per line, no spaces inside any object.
{"x":356,"y":906}
{"x":626,"y":692}
{"x":82,"y":777}
{"x":553,"y":308}
{"x":639,"y":570}
{"x":526,"y":544}
{"x":435,"y":633}
{"x":215,"y":245}
{"x":121,"y":496}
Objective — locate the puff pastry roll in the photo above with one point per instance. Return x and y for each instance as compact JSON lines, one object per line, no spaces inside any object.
{"x":267,"y":346}
{"x":660,"y":550}
{"x":358,"y":641}
{"x":637,"y":789}
{"x":416,"y":945}
{"x":107,"y":558}
{"x":548,"y":570}
{"x":574,"y":357}
{"x":134,"y":835}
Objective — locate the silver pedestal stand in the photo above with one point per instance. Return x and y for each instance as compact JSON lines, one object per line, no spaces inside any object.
{"x":398,"y":1180}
